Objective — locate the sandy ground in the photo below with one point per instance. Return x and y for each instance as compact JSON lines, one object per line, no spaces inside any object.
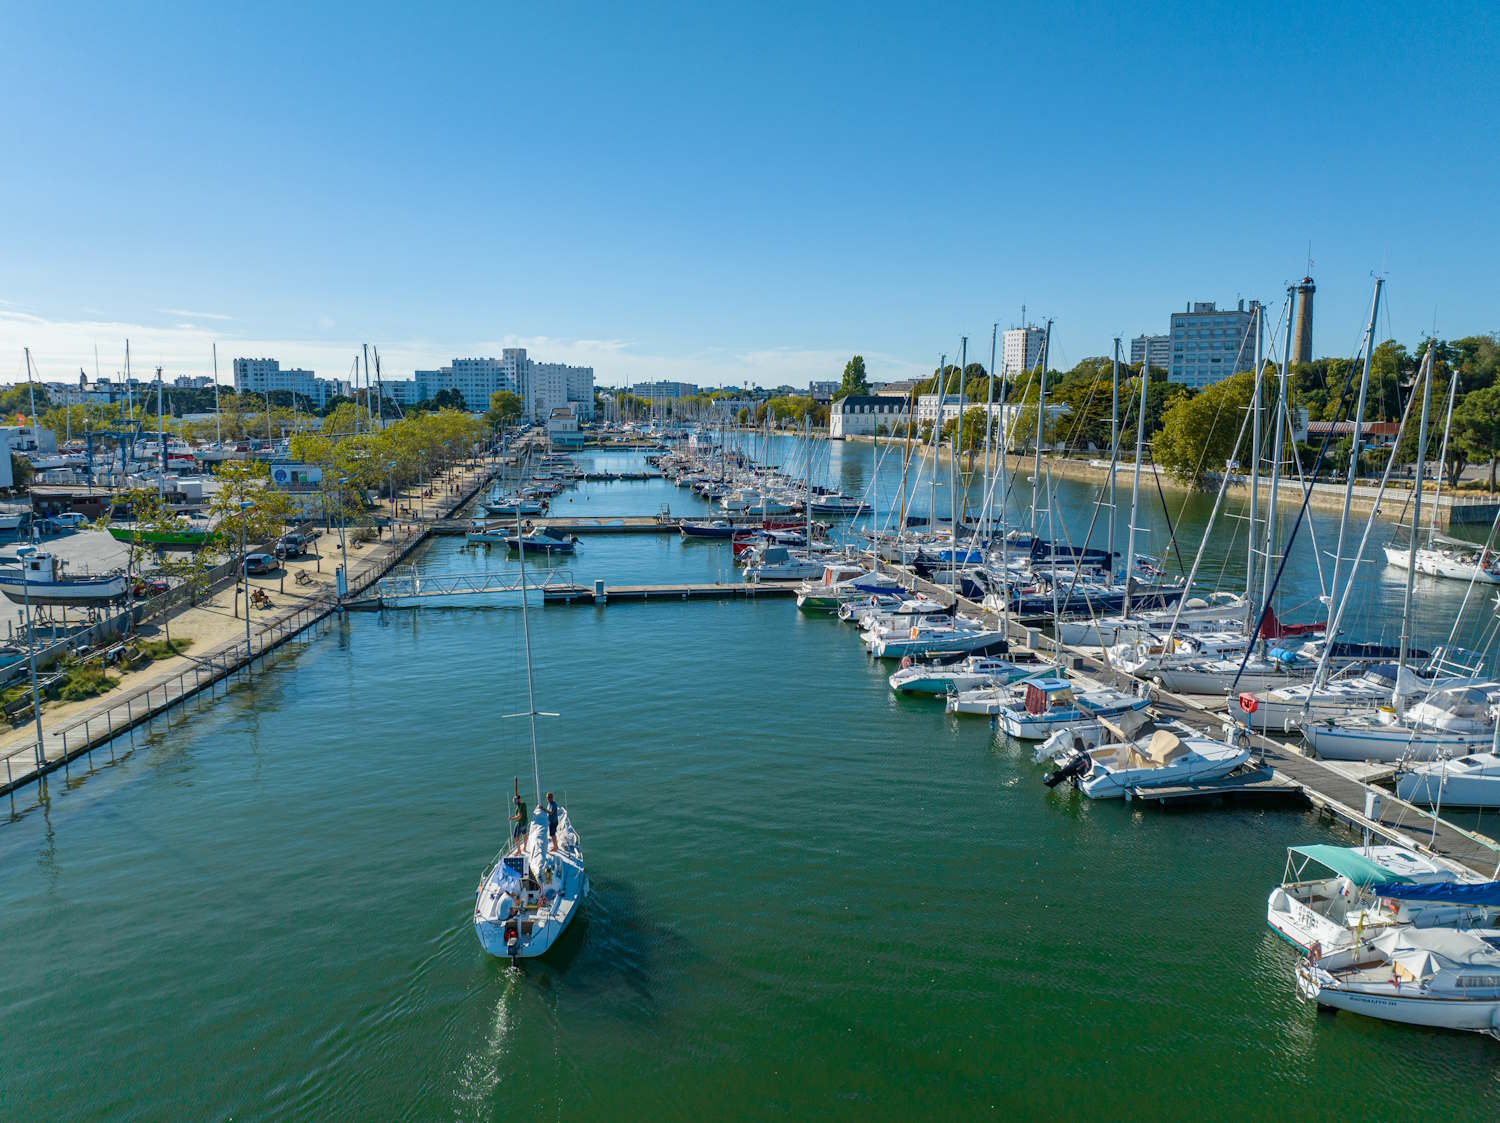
{"x":218,"y":623}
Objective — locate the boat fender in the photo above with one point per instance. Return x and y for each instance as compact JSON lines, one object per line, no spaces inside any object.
{"x":914,"y":631}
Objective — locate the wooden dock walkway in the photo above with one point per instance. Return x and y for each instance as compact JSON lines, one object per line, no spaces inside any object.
{"x":1336,"y":790}
{"x":713,"y":590}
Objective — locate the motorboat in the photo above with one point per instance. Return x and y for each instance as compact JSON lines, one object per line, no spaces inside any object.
{"x":782,"y":563}
{"x":481,"y":532}
{"x":1454,"y":563}
{"x":1326,"y":896}
{"x":1453,"y":720}
{"x":1106,"y":762}
{"x":514,"y":505}
{"x":710,"y":528}
{"x":968,"y":673}
{"x":1439,"y":977}
{"x":834,"y":504}
{"x":543,"y":540}
{"x":41,"y":578}
{"x":1041,"y":706}
{"x":1469,"y":781}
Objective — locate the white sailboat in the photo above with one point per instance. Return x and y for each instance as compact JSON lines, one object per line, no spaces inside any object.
{"x":534,"y":888}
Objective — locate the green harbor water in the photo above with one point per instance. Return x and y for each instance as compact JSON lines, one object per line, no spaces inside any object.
{"x":812,"y":898}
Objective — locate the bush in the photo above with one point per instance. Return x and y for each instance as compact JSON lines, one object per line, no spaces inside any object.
{"x":85,"y":682}
{"x":159,"y":649}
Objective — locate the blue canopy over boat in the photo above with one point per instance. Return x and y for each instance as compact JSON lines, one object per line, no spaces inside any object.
{"x":1450,"y":892}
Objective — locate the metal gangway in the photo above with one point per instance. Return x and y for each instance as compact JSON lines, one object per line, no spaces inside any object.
{"x":460,"y":590}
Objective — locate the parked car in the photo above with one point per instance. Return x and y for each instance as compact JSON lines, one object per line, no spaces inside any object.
{"x":148,"y":587}
{"x":258,"y":565}
{"x":70,"y":520}
{"x":291,"y":545}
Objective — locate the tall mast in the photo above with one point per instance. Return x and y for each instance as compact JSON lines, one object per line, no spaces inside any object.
{"x":161,"y":445}
{"x":1255,"y":410}
{"x":1135,"y":486}
{"x":953,"y":446}
{"x":1041,"y":416}
{"x":31,"y":389}
{"x":1416,"y":518}
{"x":1352,"y":469}
{"x":1278,"y":429}
{"x":218,"y":424}
{"x":1114,"y":442}
{"x":129,"y":400}
{"x":536,"y":768}
{"x":1442,"y":460}
{"x":366,"y":348}
{"x":937,"y":428}
{"x":989,"y":421}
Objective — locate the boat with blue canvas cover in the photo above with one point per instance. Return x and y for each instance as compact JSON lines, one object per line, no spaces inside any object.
{"x":1038,"y":707}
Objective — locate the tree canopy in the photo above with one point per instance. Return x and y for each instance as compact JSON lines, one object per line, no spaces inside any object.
{"x":856,"y":381}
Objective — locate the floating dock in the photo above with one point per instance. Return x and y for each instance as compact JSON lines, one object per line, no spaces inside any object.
{"x":713,"y":590}
{"x":1258,"y":785}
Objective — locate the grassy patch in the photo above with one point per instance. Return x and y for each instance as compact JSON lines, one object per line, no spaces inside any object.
{"x":85,"y":682}
{"x":160,"y":649}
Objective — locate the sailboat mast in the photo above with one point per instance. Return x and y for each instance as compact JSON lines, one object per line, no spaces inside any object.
{"x":1416,"y":518}
{"x":1041,"y":416}
{"x":989,"y":423}
{"x":953,"y":446}
{"x":218,"y":424}
{"x":1135,"y":484}
{"x":536,"y":768}
{"x":1276,"y":445}
{"x":1442,"y":458}
{"x":1255,"y":410}
{"x":937,"y":428}
{"x":1352,"y":468}
{"x":31,"y":389}
{"x":1114,"y":438}
{"x":161,"y":444}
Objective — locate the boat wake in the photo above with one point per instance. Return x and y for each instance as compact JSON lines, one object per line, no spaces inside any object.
{"x":483,"y":1070}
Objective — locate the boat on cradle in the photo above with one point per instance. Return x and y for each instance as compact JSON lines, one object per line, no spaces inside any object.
{"x":929,"y":637}
{"x":1329,"y":894}
{"x":535,"y":886}
{"x":1469,"y":781}
{"x":1355,"y":690}
{"x":1103,"y":761}
{"x":483,"y":533}
{"x":41,"y":578}
{"x":543,"y":540}
{"x":843,"y":581}
{"x":968,"y":673}
{"x":1196,"y":616}
{"x":714,"y":528}
{"x":1456,"y":564}
{"x":1444,"y":978}
{"x":1453,"y":720}
{"x":1039,"y":707}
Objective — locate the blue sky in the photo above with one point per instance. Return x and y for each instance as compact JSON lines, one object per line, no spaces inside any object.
{"x":719,"y":193}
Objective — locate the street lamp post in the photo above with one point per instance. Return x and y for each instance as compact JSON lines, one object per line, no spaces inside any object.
{"x":343,"y":549}
{"x":245,"y":506}
{"x":23,"y":553}
{"x":390,"y":467}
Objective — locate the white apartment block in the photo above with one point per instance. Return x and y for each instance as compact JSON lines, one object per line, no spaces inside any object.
{"x":1021,"y":350}
{"x":858,"y":415}
{"x":542,"y":387}
{"x":1157,"y":347}
{"x":664,"y":391}
{"x":1211,"y":343}
{"x":265,"y":376}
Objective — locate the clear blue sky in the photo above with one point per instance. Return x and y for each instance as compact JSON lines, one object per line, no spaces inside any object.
{"x":712,"y":192}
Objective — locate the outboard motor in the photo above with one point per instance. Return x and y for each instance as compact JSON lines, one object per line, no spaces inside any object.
{"x":1074,"y":767}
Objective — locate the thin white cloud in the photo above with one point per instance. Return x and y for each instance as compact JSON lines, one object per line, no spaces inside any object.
{"x":60,"y":347}
{"x":187,"y":315}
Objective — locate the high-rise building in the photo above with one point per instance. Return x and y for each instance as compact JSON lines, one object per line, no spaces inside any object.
{"x":1021,"y":350}
{"x":1302,"y":327}
{"x":1156,"y":349}
{"x":542,"y":387}
{"x":1210,"y":343}
{"x":663,"y":391}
